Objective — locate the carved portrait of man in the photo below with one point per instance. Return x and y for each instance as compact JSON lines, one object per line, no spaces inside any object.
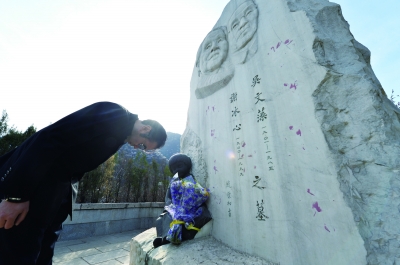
{"x":242,"y":28}
{"x":214,"y":70}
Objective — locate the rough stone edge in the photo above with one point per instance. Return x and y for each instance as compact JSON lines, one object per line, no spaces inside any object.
{"x":381,"y":241}
{"x":191,"y":145}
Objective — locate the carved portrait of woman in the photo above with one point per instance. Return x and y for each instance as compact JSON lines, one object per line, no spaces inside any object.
{"x":214,"y":69}
{"x":242,"y":27}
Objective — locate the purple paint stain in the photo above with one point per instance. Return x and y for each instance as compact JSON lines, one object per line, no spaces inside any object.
{"x":279,"y":44}
{"x":326,"y":228}
{"x":290,"y":127}
{"x":308,"y":191}
{"x":287,"y":42}
{"x":212,"y":132}
{"x":285,"y":84}
{"x":244,"y":144}
{"x":304,"y":149}
{"x":273,"y":48}
{"x":298,"y":132}
{"x":293,"y":86}
{"x":215,"y":169}
{"x":316,"y":207}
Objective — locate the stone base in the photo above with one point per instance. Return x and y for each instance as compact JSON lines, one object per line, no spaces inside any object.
{"x":204,"y":250}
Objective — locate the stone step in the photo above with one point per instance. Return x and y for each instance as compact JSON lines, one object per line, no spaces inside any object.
{"x":201,"y":250}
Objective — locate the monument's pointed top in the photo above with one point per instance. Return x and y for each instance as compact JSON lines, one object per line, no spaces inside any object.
{"x":229,"y":10}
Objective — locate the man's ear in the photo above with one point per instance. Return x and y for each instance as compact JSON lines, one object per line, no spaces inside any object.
{"x":145,"y":129}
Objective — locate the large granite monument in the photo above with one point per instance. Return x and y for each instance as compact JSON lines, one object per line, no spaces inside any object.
{"x":300,"y":146}
{"x":294,"y":135}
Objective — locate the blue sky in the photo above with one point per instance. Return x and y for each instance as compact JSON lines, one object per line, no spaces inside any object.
{"x":376,"y":24}
{"x":59,"y":56}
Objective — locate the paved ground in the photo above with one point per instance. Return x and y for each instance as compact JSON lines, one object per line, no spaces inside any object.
{"x":103,"y":250}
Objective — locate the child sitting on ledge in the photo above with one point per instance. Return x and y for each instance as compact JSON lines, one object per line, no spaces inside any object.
{"x":185,"y":209}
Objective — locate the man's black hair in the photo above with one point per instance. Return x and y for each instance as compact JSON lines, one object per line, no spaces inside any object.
{"x":157,"y":133}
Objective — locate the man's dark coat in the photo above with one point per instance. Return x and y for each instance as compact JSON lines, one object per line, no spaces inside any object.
{"x":43,"y":168}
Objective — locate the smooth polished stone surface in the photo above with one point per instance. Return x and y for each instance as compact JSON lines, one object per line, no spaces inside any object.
{"x":300,"y":145}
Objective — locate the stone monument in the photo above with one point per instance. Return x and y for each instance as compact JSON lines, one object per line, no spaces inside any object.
{"x":294,"y":135}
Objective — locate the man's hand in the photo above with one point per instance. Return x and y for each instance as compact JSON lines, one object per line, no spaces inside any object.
{"x":12,"y":213}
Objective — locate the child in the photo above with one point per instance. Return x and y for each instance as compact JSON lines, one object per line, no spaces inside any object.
{"x":185,"y":210}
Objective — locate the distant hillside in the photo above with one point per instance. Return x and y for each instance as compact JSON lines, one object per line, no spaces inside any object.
{"x":172,"y":145}
{"x":160,"y":156}
{"x":128,"y":151}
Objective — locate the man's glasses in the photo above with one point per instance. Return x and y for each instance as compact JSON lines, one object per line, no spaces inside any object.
{"x":142,"y":146}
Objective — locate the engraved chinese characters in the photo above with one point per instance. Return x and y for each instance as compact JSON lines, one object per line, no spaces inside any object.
{"x":216,"y":56}
{"x":266,"y":159}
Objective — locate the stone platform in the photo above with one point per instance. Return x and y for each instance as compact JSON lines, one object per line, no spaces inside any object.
{"x":95,"y":250}
{"x":201,"y":250}
{"x":98,"y":219}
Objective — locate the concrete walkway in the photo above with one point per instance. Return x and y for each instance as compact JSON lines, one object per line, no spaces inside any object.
{"x":103,"y":250}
